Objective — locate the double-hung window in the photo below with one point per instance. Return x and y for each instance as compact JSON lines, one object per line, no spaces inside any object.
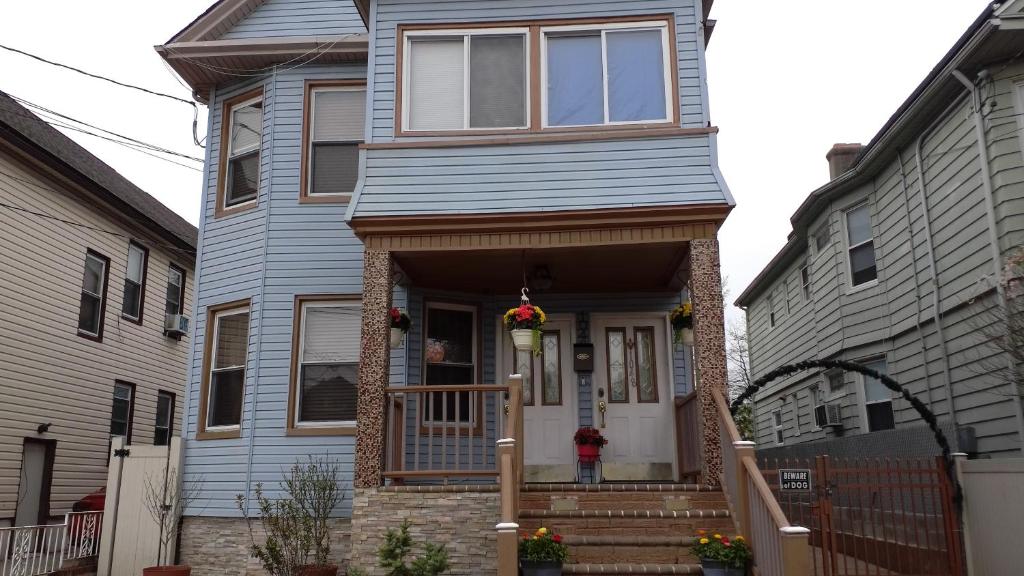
{"x":327,"y":365}
{"x":861,"y":245}
{"x":164,"y":426}
{"x":450,"y":358}
{"x":877,"y":399}
{"x":228,"y":331}
{"x":244,"y":122}
{"x":334,"y":130}
{"x":805,"y":281}
{"x":465,"y":79}
{"x":134,"y":282}
{"x":777,"y":429}
{"x":175,"y":290}
{"x":123,"y":410}
{"x":615,"y":73}
{"x":94,"y":295}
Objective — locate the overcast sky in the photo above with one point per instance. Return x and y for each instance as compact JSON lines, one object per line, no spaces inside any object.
{"x":788,"y":79}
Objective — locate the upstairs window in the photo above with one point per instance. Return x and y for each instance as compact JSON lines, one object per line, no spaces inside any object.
{"x":163,"y":428}
{"x":334,"y":129}
{"x":777,"y":429}
{"x":134,"y":282}
{"x":611,"y":74}
{"x":123,"y":411}
{"x":771,"y":311}
{"x":465,"y":79}
{"x":224,"y":382}
{"x":94,"y":296}
{"x":241,"y":138}
{"x":805,"y":282}
{"x":175,"y":290}
{"x":861,"y":246}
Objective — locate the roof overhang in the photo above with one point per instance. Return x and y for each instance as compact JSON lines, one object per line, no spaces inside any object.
{"x":205,"y":64}
{"x":988,"y":41}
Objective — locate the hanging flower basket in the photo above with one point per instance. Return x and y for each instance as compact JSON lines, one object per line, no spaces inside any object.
{"x":400,"y":324}
{"x":524,"y":324}
{"x":682,"y":323}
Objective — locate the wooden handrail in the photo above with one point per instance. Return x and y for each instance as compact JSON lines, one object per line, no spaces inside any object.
{"x":723,"y":411}
{"x":765,"y":493}
{"x":423,"y":389}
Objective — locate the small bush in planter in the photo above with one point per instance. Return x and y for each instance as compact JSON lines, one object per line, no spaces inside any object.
{"x":542,"y":554}
{"x":720,"y":556}
{"x":398,"y":544}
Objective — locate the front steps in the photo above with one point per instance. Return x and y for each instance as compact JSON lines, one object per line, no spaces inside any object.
{"x":626,"y":529}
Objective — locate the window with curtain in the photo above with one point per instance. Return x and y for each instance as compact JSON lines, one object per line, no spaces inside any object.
{"x":337,"y":125}
{"x":226,"y":381}
{"x":458,"y":80}
{"x":164,"y":426}
{"x":877,"y":398}
{"x":328,"y":363}
{"x":175,"y":290}
{"x":617,"y":74}
{"x":134,"y":279}
{"x":94,"y":295}
{"x":243,"y":159}
{"x":861,"y":245}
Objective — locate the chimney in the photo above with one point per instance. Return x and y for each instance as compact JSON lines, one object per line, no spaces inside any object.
{"x":841,"y":158}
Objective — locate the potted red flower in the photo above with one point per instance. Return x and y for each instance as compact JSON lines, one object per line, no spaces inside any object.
{"x":720,"y":556}
{"x":400,"y":324}
{"x":542,"y":554}
{"x":588,"y":443}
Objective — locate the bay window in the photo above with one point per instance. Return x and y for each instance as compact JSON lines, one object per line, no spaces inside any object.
{"x":326,"y":371}
{"x":224,"y":380}
{"x":334,"y":130}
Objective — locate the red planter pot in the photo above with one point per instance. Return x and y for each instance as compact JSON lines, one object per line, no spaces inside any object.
{"x":588,"y":452}
{"x":167,"y":571}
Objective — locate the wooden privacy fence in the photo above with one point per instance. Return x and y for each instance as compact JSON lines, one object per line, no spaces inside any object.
{"x":874,"y":516}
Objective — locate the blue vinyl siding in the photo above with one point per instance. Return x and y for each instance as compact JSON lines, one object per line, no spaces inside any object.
{"x":284,"y":18}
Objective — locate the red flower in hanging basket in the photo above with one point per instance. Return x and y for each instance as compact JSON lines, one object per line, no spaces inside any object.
{"x":399,"y":319}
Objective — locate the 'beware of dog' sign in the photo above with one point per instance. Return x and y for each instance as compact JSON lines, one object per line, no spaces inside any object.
{"x":794,"y":480}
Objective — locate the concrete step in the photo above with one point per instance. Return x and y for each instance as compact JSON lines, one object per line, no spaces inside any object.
{"x":631,"y":569}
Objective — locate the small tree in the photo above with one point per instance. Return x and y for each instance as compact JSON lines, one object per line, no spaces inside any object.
{"x":297,"y":531}
{"x":397,"y":546}
{"x":737,"y":357}
{"x":166,"y":504}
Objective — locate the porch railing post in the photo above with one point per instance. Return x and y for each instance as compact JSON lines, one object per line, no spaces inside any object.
{"x":508,"y":527}
{"x":744,"y":449}
{"x":796,"y":553}
{"x":514,"y":426}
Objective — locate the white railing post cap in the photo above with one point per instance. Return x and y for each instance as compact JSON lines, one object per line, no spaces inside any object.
{"x":963,"y":455}
{"x":794,"y":530}
{"x":507,"y":527}
{"x":744,"y":444}
{"x":506,"y":442}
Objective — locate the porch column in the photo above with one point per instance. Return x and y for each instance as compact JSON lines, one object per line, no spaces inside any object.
{"x":708,"y":349}
{"x":374,"y":364}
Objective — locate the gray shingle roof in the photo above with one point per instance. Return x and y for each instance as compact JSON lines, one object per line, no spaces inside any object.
{"x":56,"y":149}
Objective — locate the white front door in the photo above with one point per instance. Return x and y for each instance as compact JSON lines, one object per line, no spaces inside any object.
{"x":633,"y":395}
{"x":549,"y":397}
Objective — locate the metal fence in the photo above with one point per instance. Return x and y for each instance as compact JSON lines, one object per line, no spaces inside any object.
{"x":874,"y":516}
{"x":34,"y":550}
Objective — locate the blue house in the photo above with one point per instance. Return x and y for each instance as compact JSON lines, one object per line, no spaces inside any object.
{"x":446,"y":158}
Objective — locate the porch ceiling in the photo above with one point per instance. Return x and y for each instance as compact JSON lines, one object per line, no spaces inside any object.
{"x":654,"y":267}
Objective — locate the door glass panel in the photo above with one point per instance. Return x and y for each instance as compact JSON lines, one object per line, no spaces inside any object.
{"x":551,"y":380}
{"x":647,"y":384}
{"x":617,"y":391}
{"x":524,"y":367}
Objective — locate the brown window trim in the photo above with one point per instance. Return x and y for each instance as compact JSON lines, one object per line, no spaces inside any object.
{"x":170,"y":423}
{"x":307,"y":127}
{"x":654,"y":363}
{"x":142,"y":287}
{"x":558,"y":361}
{"x":221,"y":211}
{"x":293,"y":382}
{"x":98,"y":337}
{"x":608,"y":362}
{"x":131,"y":408}
{"x":534,"y":94}
{"x":204,"y":389}
{"x":582,"y":134}
{"x":477,"y":369}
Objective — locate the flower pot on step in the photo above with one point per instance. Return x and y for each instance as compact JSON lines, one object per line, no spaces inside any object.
{"x":522,"y":339}
{"x":396,"y":337}
{"x":167,"y":571}
{"x":588,"y":452}
{"x":535,"y":568}
{"x":716,"y":568}
{"x":326,"y":570}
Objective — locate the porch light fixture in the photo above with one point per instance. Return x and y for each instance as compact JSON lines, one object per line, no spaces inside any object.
{"x":541,"y":278}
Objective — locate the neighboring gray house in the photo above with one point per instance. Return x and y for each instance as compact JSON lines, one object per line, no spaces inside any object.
{"x":894,"y":264}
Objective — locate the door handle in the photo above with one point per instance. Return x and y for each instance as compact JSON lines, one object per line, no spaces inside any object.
{"x":602,"y":407}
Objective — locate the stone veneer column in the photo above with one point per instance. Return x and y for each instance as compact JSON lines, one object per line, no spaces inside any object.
{"x":374,"y":361}
{"x":708,"y":349}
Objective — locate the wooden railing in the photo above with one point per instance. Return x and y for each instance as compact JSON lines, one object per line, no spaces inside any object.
{"x":779,"y":548}
{"x":510,"y":458}
{"x":688,"y":445}
{"x":444,"y":432}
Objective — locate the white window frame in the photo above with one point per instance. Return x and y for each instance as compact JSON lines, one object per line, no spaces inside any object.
{"x":299,"y":423}
{"x":141,"y":282}
{"x":805,"y":281}
{"x":101,"y":296}
{"x":231,"y":154}
{"x":666,"y":59}
{"x":427,"y":418}
{"x":862,"y":394}
{"x":213,"y":363}
{"x":311,"y":142}
{"x":772,"y":319}
{"x":850,"y":247}
{"x":409,"y":36}
{"x":172,"y":269}
{"x":778,"y":426}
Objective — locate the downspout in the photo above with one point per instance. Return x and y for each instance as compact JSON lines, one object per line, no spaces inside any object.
{"x":932,"y":266}
{"x":993,"y":230}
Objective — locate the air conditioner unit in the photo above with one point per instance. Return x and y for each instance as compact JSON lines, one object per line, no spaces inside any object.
{"x":175,"y":325}
{"x":828,"y":415}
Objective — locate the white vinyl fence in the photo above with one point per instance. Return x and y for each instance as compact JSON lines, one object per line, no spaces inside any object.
{"x":992,"y":511}
{"x":34,"y":550}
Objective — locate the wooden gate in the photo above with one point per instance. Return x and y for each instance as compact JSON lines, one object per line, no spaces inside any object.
{"x":132,"y":539}
{"x":874,"y":516}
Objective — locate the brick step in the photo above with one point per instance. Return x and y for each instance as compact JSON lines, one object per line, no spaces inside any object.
{"x":680,"y":523}
{"x":625,"y":549}
{"x":619,"y":487}
{"x":668,"y":501}
{"x":631,"y":569}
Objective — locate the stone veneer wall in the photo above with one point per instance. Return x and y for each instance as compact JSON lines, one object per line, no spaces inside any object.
{"x":463,"y":519}
{"x":220,"y":546}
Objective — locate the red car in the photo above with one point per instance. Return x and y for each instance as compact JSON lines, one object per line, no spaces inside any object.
{"x":94,"y":502}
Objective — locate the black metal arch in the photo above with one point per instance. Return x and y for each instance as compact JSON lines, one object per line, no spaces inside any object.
{"x":925,"y":413}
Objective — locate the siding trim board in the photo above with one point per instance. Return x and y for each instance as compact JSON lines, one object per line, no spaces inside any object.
{"x":550,"y":136}
{"x":220,"y":210}
{"x":307,"y":128}
{"x":204,"y":390}
{"x":293,"y":382}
